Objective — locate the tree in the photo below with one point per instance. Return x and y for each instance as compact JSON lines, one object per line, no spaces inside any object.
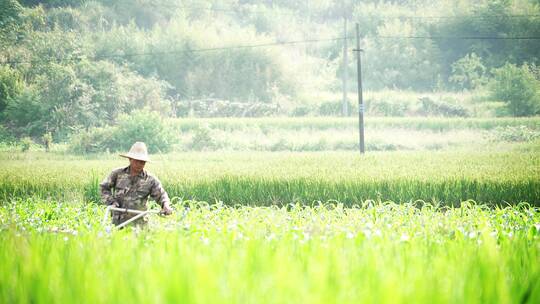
{"x":468,"y":72}
{"x":489,"y":19}
{"x":10,"y":11}
{"x":399,"y":63}
{"x":10,"y":15}
{"x":10,"y":86}
{"x":518,"y":87}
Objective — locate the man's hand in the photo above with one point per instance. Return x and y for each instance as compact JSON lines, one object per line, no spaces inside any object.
{"x":166,"y":210}
{"x":114,"y":203}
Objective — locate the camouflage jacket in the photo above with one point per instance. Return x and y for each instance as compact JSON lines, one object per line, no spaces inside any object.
{"x":132,"y":191}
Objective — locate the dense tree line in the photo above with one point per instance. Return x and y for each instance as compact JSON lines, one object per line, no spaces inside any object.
{"x":68,"y":65}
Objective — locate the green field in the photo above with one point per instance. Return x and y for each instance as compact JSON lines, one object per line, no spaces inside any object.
{"x":281,"y":178}
{"x":250,"y":112}
{"x":310,"y":134}
{"x":54,"y":252}
{"x":456,"y":225}
{"x":322,"y":123}
{"x":341,"y":134}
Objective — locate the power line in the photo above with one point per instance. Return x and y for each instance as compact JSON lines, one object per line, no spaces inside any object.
{"x":100,"y":57}
{"x":218,"y":9}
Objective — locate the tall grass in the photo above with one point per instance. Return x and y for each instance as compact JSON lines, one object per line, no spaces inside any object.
{"x":322,"y":123}
{"x":281,"y":178}
{"x":338,"y":134}
{"x":52,"y":252}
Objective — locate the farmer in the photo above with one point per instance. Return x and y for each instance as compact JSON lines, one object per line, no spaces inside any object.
{"x":130,"y":187}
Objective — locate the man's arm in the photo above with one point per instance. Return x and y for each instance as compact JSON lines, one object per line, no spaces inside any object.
{"x":161,"y":197}
{"x":106,"y":189}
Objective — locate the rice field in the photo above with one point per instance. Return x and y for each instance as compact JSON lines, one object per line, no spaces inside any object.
{"x":59,"y":252}
{"x":446,"y":226}
{"x":341,"y":134}
{"x":324,"y":123}
{"x":265,"y":178}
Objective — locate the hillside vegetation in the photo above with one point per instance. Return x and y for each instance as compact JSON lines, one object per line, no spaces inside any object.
{"x":67,"y":66}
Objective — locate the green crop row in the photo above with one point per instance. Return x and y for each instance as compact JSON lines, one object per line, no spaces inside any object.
{"x":283,"y":178}
{"x":324,"y":123}
{"x":59,"y":252}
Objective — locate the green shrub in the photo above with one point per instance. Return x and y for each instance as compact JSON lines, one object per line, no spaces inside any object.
{"x":47,"y":141}
{"x":141,"y":125}
{"x":378,"y":145}
{"x":202,"y":140}
{"x":213,"y":107}
{"x":441,"y":108}
{"x":281,"y":145}
{"x":26,"y":143}
{"x":384,"y":107}
{"x":489,"y":109}
{"x":468,"y":72}
{"x":330,"y":108}
{"x":91,"y":141}
{"x":515,"y":134}
{"x":301,"y":110}
{"x":518,"y":88}
{"x":6,"y":136}
{"x":10,"y":86}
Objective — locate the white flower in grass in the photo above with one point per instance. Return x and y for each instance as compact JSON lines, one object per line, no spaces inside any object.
{"x":537,"y":226}
{"x":367,"y":233}
{"x":205,"y":240}
{"x":404,"y":238}
{"x":232,"y":225}
{"x":270,"y":237}
{"x":350,"y":235}
{"x":472,"y":235}
{"x":239,"y":236}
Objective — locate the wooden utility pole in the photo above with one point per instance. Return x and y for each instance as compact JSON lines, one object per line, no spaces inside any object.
{"x":345,"y":105}
{"x":358,"y":51}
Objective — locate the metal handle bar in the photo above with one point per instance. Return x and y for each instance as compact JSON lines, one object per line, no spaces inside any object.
{"x":140,"y":213}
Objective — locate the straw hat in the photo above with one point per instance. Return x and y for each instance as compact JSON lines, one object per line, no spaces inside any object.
{"x":138,"y":151}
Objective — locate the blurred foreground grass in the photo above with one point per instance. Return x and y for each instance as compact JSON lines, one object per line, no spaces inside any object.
{"x":58,"y":252}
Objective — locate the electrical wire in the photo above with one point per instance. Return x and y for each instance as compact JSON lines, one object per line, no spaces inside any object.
{"x":100,"y":57}
{"x":106,"y":56}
